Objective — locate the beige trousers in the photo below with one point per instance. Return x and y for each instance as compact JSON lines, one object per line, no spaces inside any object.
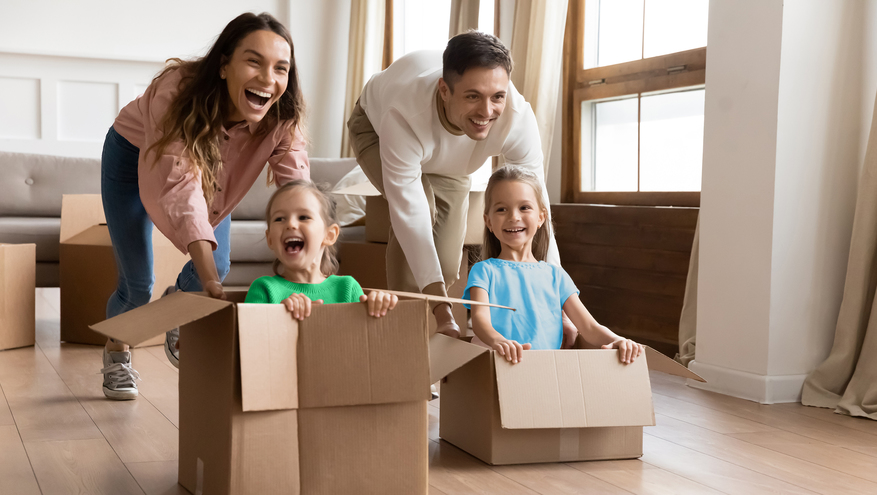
{"x":448,"y":199}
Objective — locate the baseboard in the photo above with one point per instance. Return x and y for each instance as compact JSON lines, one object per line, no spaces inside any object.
{"x":765,"y":389}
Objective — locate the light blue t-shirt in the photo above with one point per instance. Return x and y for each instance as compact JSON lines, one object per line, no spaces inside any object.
{"x":538,"y":292}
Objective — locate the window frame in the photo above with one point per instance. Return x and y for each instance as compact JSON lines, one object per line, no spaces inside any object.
{"x":677,"y":70}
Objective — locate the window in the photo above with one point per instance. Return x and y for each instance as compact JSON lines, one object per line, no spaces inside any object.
{"x":634,"y":99}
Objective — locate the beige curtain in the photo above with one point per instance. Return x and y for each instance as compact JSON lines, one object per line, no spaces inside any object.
{"x":364,"y":55}
{"x":464,"y":16}
{"x":688,"y":318}
{"x":537,"y":49}
{"x":847,"y":380}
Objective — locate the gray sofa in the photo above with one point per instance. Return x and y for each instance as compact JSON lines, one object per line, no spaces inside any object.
{"x":31,"y":187}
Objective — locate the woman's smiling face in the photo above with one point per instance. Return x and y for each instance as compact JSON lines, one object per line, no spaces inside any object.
{"x":257,"y":75}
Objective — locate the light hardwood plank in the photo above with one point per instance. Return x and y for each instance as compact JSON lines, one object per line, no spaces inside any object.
{"x":639,"y":477}
{"x":136,"y":430}
{"x":707,"y":470}
{"x":435,"y":491}
{"x":158,"y":352}
{"x":711,"y":419}
{"x":453,"y":471}
{"x":5,"y":412}
{"x":557,"y":479}
{"x":24,"y":361}
{"x":159,"y":384}
{"x":16,"y":475}
{"x":80,"y":466}
{"x":770,"y":415}
{"x":815,"y":451}
{"x":856,"y":423}
{"x":157,"y":478}
{"x":759,"y":459}
{"x":45,"y":409}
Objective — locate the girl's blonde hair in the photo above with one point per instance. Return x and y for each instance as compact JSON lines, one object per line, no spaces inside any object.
{"x":491,"y":246}
{"x":329,"y":263}
{"x":196,"y":114}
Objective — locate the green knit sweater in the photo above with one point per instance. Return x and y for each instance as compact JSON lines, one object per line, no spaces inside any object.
{"x":335,"y":289}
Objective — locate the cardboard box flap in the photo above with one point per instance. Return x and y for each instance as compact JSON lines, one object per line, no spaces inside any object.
{"x":346,"y":357}
{"x":79,"y":212}
{"x":573,"y":389}
{"x":169,"y":312}
{"x":96,"y":235}
{"x":268,"y":339}
{"x":660,"y":362}
{"x":446,"y":354}
{"x":428,"y":297}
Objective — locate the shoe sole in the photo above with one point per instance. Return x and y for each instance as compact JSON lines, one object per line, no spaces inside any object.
{"x":170,"y":356}
{"x":120,"y":395}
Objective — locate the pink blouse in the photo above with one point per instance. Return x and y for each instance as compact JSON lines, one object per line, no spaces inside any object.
{"x":171,"y":190}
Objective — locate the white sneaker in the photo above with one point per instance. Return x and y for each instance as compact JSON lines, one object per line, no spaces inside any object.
{"x":171,"y":338}
{"x":119,"y":376}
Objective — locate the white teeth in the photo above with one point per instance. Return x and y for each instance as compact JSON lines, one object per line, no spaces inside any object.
{"x":515,"y":231}
{"x":293,"y":239}
{"x":480,"y":122}
{"x":260,"y":93}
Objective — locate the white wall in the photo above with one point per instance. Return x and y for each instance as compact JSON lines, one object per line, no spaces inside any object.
{"x":67,"y":68}
{"x":790,"y":89}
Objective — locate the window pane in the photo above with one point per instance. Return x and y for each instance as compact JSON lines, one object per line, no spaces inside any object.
{"x":615,"y":145}
{"x":674,"y":26}
{"x":671,"y":146}
{"x":621,"y":31}
{"x":421,"y":25}
{"x":485,"y":16}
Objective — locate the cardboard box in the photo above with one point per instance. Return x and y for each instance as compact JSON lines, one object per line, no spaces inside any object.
{"x":332,"y":404}
{"x":553,"y":406}
{"x":88,"y":268}
{"x":17,"y":295}
{"x":377,"y":214}
{"x":365,"y":261}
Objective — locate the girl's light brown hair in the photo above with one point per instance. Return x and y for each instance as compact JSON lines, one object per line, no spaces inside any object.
{"x":196,"y":114}
{"x":491,"y":246}
{"x":329,"y":263}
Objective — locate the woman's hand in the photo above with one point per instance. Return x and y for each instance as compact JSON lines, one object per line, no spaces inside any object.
{"x":511,"y":350}
{"x":628,"y":350}
{"x":214,"y":290}
{"x":300,"y":305}
{"x":379,"y":302}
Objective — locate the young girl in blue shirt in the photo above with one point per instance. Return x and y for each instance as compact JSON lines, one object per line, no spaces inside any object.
{"x":515,"y":274}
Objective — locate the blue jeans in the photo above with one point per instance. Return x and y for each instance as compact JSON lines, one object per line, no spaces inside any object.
{"x":131,"y":231}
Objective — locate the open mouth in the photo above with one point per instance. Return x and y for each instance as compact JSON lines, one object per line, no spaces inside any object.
{"x":515,"y":231}
{"x":293,"y":245}
{"x":480,"y":123}
{"x":256,"y":98}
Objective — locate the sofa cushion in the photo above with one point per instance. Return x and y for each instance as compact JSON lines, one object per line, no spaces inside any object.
{"x":248,"y":242}
{"x":323,"y":170}
{"x":32,"y":184}
{"x":42,"y":231}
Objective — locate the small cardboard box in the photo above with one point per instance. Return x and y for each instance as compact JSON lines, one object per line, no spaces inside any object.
{"x":88,"y":268}
{"x":377,"y":214}
{"x":365,"y":261}
{"x":335,"y":403}
{"x":17,"y":295}
{"x":553,"y":406}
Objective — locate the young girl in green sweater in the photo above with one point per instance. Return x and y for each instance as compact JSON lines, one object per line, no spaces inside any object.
{"x":302,"y":231}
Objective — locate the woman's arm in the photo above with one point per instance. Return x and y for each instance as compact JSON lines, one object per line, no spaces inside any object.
{"x":483,"y":329}
{"x":202,"y":256}
{"x":597,"y":334}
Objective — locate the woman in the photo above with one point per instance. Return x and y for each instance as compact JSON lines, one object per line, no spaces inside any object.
{"x":184,"y":154}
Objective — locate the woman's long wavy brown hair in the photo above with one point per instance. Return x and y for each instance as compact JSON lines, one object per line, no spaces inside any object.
{"x":491,"y":247}
{"x":196,"y":114}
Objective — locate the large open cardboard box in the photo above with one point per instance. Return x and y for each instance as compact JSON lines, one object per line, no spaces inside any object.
{"x":553,"y":406}
{"x":335,"y":403}
{"x":17,"y":295}
{"x":88,"y":268}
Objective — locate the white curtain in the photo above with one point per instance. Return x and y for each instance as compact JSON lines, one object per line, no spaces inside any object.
{"x":688,"y":318}
{"x":364,"y":56}
{"x":847,"y":380}
{"x":537,"y":49}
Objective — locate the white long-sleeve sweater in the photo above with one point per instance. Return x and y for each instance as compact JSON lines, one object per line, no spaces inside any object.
{"x":400,"y":103}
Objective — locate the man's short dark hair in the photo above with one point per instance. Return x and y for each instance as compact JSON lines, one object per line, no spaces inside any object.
{"x":473,"y":49}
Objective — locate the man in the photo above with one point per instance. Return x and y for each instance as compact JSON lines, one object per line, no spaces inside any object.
{"x":418,"y":130}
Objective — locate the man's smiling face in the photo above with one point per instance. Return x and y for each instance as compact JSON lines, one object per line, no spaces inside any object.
{"x":478,"y":98}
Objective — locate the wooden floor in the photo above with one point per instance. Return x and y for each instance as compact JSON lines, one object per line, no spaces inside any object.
{"x":59,"y":435}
